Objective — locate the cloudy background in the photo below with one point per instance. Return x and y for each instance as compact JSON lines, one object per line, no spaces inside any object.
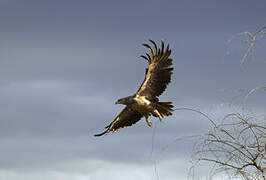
{"x":63,"y":64}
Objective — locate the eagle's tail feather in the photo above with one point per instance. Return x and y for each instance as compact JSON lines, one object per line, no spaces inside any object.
{"x":165,"y":108}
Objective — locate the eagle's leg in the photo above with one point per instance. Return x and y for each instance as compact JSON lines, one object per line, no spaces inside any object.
{"x":147,"y":117}
{"x":156,"y":112}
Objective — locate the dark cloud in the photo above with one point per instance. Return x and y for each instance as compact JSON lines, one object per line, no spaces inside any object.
{"x":64,"y":64}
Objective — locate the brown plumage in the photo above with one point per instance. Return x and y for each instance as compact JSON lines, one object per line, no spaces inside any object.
{"x":146,"y":102}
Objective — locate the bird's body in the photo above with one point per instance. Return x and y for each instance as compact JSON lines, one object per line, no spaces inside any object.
{"x":145,"y":101}
{"x":142,"y":105}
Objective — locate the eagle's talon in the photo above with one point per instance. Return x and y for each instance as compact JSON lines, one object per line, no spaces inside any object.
{"x":149,"y":123}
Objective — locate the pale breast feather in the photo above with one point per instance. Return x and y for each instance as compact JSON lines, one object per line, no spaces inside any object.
{"x":141,"y":100}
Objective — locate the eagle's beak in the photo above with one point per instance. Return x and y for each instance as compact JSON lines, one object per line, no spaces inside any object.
{"x":116,"y":102}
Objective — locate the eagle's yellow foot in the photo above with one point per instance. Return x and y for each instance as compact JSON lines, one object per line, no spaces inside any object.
{"x":148,"y":121}
{"x":158,"y":114}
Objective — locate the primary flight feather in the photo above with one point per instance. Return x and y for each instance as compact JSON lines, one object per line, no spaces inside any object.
{"x":145,"y":101}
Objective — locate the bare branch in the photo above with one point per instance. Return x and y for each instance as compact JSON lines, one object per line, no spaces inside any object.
{"x":235,"y":145}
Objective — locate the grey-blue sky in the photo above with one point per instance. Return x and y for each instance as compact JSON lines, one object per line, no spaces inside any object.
{"x":64,"y":63}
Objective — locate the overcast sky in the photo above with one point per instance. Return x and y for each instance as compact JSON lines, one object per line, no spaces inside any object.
{"x":63,"y":64}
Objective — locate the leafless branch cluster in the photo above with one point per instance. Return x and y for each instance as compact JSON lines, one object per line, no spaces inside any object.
{"x":236,"y":147}
{"x":250,"y":39}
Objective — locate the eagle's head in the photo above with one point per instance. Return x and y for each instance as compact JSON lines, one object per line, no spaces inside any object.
{"x":125,"y":101}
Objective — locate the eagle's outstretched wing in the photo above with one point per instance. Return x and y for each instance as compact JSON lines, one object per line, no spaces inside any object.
{"x":159,"y":72}
{"x":127,"y":117}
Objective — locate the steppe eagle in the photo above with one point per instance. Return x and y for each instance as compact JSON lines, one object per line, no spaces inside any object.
{"x":145,"y":102}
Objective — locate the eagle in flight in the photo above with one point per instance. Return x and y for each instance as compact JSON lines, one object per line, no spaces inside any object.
{"x":145,"y":101}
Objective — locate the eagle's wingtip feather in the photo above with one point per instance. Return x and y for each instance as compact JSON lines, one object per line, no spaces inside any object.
{"x":97,"y":135}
